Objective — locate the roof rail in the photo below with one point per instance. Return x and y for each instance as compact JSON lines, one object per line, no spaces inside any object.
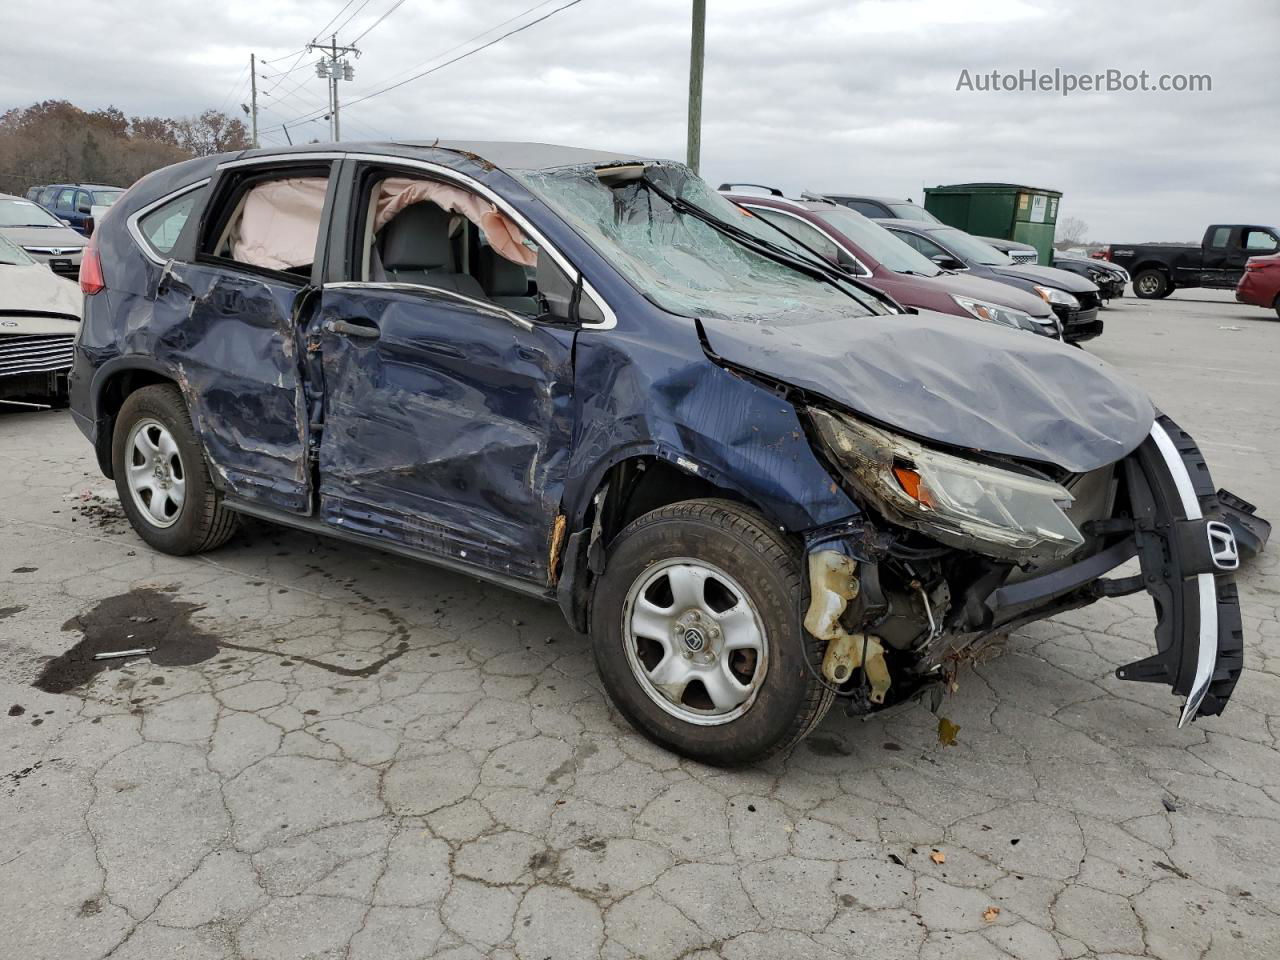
{"x":773,"y":191}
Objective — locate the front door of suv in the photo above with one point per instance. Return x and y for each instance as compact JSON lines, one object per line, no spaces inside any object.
{"x":448,"y":395}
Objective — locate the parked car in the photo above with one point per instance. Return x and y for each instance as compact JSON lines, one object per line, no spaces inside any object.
{"x":875,"y":208}
{"x":1110,"y":278}
{"x":1015,"y":250}
{"x":1218,"y":262}
{"x":42,"y":235}
{"x":869,"y":251}
{"x":39,"y":319}
{"x":1260,"y":282}
{"x":81,"y":205}
{"x":677,"y":430}
{"x":1074,"y":299}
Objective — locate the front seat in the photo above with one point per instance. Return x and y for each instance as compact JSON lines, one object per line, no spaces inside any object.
{"x":505,"y":283}
{"x":415,"y":248}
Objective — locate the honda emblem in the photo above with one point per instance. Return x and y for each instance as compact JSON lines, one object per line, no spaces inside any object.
{"x":1222,"y":545}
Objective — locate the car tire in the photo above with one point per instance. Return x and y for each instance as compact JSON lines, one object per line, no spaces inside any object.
{"x":1276,"y":305}
{"x":742,"y":574}
{"x":162,"y":477}
{"x":1151,"y":285}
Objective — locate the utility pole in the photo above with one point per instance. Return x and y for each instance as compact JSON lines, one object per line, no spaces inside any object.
{"x":696,"y":48}
{"x":253,"y":96}
{"x":330,"y":67}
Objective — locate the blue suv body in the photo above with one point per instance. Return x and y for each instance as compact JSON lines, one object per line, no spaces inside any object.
{"x":588,"y":377}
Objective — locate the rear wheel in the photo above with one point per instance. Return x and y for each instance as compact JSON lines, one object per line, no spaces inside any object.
{"x":1151,"y":285}
{"x":1277,"y":306}
{"x":161,"y":476}
{"x":697,"y":635}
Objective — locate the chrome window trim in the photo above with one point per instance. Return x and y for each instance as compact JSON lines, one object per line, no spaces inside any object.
{"x":448,"y":173}
{"x":840,"y":246}
{"x":1207,"y":651}
{"x":395,"y":286}
{"x":136,"y":231}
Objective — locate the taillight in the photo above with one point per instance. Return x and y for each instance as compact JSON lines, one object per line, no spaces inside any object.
{"x":91,"y":281}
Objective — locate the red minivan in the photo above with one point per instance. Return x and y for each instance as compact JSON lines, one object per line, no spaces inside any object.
{"x":868,"y":250}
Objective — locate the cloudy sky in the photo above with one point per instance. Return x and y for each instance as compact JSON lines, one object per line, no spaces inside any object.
{"x":824,"y":94}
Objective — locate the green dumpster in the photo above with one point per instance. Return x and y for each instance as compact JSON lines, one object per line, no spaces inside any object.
{"x":1009,"y":211}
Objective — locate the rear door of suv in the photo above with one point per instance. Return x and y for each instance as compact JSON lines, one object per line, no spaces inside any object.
{"x":224,"y":318}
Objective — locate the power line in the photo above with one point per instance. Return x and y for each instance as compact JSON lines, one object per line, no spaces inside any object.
{"x":482,"y":33}
{"x":395,"y":6}
{"x":235,"y":87}
{"x":283,"y":56}
{"x":484,"y":46}
{"x":333,"y":18}
{"x":352,"y":16}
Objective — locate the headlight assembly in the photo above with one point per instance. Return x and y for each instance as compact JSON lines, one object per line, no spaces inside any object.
{"x":1053,"y":295}
{"x":959,"y":502}
{"x":994,"y":313}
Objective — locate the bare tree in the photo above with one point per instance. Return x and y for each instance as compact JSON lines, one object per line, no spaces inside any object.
{"x":1071,"y":232}
{"x":56,"y":141}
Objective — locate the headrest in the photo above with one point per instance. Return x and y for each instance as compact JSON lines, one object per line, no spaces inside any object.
{"x":500,"y":277}
{"x":418,"y":238}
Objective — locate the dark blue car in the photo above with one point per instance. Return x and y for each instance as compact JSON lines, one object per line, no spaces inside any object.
{"x":588,"y":377}
{"x":76,"y":203}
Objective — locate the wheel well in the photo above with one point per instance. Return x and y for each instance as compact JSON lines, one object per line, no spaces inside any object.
{"x":111,"y":398}
{"x":1151,"y":265}
{"x":642,"y":484}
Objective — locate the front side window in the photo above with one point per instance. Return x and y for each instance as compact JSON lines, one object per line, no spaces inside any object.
{"x":677,"y":261}
{"x":66,"y":200}
{"x":909,"y":211}
{"x":163,"y":225}
{"x":1260,"y":241}
{"x":24,"y":213}
{"x":445,"y":237}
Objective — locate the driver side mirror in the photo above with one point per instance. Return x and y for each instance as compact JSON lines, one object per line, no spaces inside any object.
{"x":84,"y":207}
{"x":947,"y":262}
{"x":561,"y":296}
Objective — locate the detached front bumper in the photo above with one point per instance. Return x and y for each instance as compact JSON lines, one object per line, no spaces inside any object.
{"x":1186,"y":558}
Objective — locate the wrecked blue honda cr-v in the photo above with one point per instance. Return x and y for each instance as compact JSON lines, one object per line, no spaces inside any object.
{"x":755,"y":483}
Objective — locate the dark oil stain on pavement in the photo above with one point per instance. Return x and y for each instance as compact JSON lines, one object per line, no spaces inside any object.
{"x":10,"y":611}
{"x":146,"y":617}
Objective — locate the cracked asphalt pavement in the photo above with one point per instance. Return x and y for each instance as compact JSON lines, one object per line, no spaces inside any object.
{"x":335,"y":753}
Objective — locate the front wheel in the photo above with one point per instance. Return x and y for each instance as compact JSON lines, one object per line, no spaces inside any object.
{"x":1151,"y":285}
{"x":161,"y":476}
{"x":697,"y":635}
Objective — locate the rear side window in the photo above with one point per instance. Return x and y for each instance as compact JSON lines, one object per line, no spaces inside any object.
{"x":163,"y":225}
{"x":1220,"y":237}
{"x":269,"y":221}
{"x":866,"y":208}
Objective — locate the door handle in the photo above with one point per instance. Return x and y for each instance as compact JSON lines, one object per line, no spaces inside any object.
{"x":347,"y":328}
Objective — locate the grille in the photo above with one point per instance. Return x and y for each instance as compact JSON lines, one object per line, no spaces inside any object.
{"x":1089,"y":300}
{"x":1024,"y":256}
{"x":22,"y":354}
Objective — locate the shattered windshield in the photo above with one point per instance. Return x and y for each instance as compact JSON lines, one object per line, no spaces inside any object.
{"x":683,"y":265}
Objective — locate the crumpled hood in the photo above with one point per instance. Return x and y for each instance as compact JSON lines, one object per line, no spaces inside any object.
{"x":38,"y":289}
{"x":955,"y":381}
{"x":1049,"y":277}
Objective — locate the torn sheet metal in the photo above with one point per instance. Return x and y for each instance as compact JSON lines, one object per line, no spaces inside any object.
{"x":450,"y":432}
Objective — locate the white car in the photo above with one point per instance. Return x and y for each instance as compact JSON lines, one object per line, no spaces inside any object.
{"x":39,"y":319}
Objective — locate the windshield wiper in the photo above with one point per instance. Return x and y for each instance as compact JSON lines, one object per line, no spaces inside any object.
{"x":818,"y":268}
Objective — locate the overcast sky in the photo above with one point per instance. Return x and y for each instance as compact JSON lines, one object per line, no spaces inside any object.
{"x":824,"y":94}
